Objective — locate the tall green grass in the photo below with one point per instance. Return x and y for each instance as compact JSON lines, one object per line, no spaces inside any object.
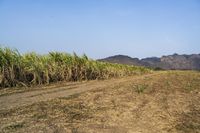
{"x":35,"y":69}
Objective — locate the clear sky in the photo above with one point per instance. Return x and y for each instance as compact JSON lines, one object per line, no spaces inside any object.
{"x":101,"y":28}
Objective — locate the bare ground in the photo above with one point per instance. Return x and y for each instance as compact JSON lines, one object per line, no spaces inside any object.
{"x":15,"y":98}
{"x":159,"y":102}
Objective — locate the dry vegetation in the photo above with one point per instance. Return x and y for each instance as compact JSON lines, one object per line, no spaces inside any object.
{"x":34,"y":69}
{"x":166,"y":102}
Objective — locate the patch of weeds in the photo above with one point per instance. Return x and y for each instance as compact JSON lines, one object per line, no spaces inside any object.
{"x":40,"y":116}
{"x":140,"y":88}
{"x":78,"y":112}
{"x":13,"y":127}
{"x":189,"y":86}
{"x":168,"y":84}
{"x":190,"y":121}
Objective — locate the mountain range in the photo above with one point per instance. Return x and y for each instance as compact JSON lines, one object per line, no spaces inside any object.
{"x":169,"y":62}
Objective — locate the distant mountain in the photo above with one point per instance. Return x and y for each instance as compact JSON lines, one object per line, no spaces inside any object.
{"x":170,"y":62}
{"x":122,"y":59}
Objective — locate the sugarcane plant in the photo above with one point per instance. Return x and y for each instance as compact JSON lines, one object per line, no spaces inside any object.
{"x":34,"y":69}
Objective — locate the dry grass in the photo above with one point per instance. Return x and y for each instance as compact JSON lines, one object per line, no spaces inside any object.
{"x":170,"y":102}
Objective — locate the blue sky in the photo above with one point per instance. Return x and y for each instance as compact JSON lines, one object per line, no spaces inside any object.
{"x":101,"y":28}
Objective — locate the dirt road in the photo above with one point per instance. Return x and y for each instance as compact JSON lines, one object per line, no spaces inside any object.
{"x":37,"y":95}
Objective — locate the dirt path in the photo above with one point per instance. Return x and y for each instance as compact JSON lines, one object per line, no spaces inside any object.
{"x":30,"y":97}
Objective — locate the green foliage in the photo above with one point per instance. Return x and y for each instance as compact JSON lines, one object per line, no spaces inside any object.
{"x":34,"y":69}
{"x":140,"y":88}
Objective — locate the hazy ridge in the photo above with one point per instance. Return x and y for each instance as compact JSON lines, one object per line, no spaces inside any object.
{"x":169,"y":62}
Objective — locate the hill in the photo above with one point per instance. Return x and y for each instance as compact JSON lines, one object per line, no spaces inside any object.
{"x":170,"y":62}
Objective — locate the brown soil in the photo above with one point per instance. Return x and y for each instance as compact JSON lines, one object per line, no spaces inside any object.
{"x":160,"y":102}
